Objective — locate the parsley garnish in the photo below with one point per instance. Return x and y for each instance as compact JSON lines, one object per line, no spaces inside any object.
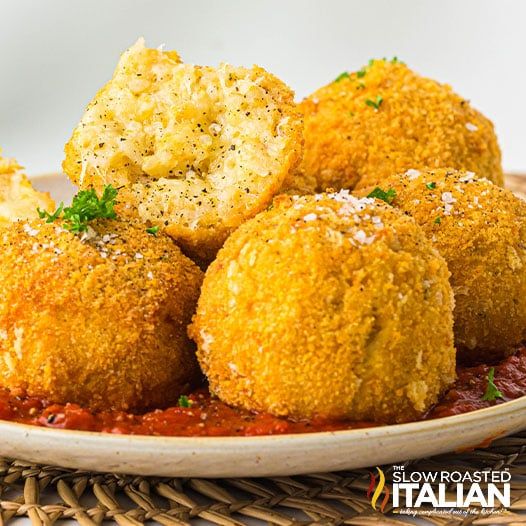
{"x":361,"y":73}
{"x":50,"y":218}
{"x":375,"y":103}
{"x":153,"y":230}
{"x":431,"y":186}
{"x":492,"y":393}
{"x":184,"y":401}
{"x":437,"y":220}
{"x":85,"y":207}
{"x":388,"y":196}
{"x":342,"y":76}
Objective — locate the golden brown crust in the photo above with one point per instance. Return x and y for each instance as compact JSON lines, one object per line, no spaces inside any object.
{"x":419,"y":122}
{"x":198,"y":149}
{"x":328,"y":306}
{"x":100,"y":321}
{"x":480,"y":229}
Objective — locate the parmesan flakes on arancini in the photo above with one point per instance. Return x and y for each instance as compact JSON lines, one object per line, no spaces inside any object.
{"x":480,"y":230}
{"x":328,"y":305}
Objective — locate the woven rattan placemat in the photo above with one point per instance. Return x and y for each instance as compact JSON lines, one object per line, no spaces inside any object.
{"x":46,"y":494}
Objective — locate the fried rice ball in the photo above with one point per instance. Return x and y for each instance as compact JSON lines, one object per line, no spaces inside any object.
{"x":328,"y":306}
{"x":18,"y":198}
{"x":98,"y":319}
{"x":198,"y":149}
{"x":384,"y":119}
{"x":480,"y":229}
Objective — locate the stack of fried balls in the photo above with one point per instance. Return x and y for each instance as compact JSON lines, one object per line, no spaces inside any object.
{"x":334,"y":258}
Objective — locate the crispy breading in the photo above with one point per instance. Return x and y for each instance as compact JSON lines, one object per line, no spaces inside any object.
{"x":384,"y":119}
{"x":198,"y":149}
{"x":98,"y":319}
{"x":18,"y":198}
{"x":328,"y":305}
{"x":480,"y":229}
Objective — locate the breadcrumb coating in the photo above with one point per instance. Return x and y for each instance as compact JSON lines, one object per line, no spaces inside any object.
{"x":327,"y":305}
{"x":480,"y":229}
{"x":97,"y":319}
{"x":18,"y":198}
{"x":198,"y":149}
{"x":385,"y":119}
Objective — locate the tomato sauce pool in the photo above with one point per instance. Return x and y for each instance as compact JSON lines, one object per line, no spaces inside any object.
{"x":207,"y":416}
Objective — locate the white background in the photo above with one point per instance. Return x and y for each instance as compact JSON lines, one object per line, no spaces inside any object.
{"x":55,"y":54}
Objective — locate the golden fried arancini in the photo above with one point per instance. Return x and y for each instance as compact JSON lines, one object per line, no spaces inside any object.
{"x":480,"y":229}
{"x":99,"y":318}
{"x":18,"y":198}
{"x":384,"y":119}
{"x":198,"y":149}
{"x":327,"y":305}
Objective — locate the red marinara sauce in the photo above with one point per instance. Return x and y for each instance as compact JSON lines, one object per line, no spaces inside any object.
{"x":207,"y":416}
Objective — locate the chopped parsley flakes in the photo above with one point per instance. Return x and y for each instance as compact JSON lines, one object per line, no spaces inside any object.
{"x":492,"y":393}
{"x":342,"y":76}
{"x":387,"y":196}
{"x":184,"y":401}
{"x":85,"y":207}
{"x":437,"y":221}
{"x":431,"y":186}
{"x":153,"y":230}
{"x":376,"y":103}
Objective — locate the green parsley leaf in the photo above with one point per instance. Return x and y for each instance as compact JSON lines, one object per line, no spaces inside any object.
{"x":431,"y":186}
{"x":396,"y":60}
{"x":342,"y":76}
{"x":375,"y":103}
{"x":437,"y":221}
{"x":153,"y":230}
{"x":85,"y":207}
{"x":492,"y":393}
{"x":184,"y":401}
{"x":388,"y":196}
{"x":50,"y":218}
{"x":361,"y":73}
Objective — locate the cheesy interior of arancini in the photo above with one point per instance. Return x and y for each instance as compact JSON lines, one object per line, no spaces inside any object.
{"x":195,"y":143}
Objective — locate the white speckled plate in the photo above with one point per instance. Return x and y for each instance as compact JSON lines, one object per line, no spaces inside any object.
{"x":253,"y":456}
{"x":260,"y":456}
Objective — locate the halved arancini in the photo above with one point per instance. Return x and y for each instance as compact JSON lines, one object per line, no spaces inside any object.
{"x":197,"y":150}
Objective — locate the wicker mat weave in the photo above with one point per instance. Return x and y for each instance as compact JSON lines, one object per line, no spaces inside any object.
{"x":327,"y":498}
